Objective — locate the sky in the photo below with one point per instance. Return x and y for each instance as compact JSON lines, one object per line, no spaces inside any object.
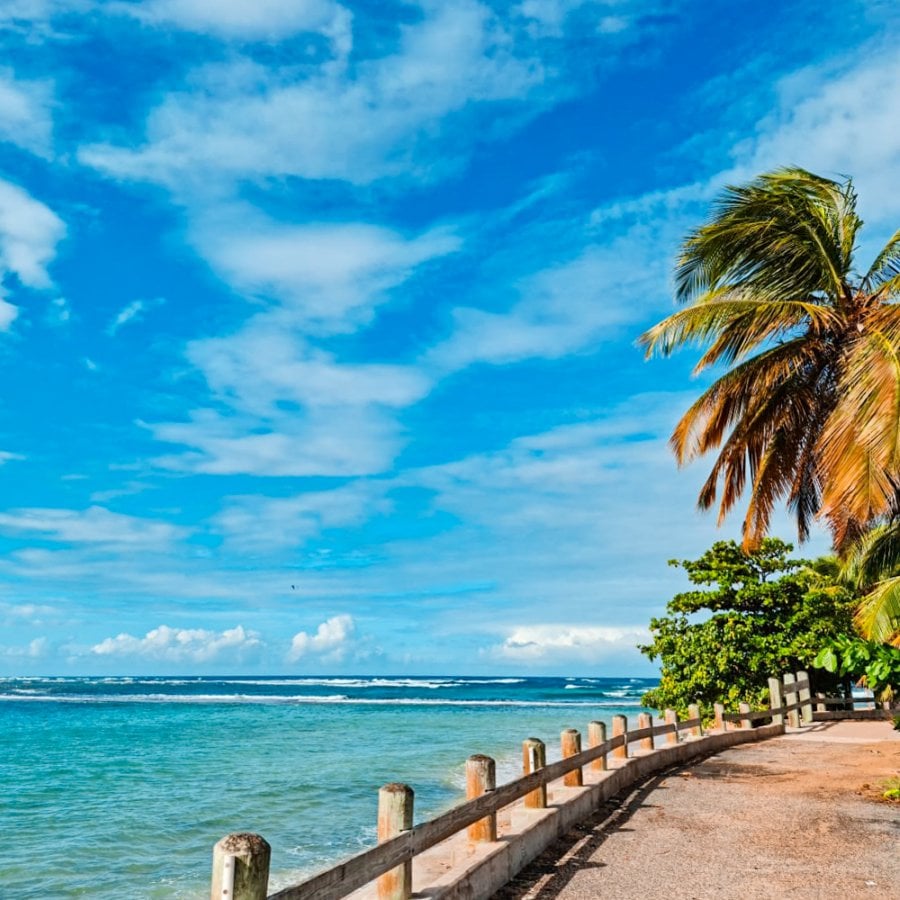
{"x":318,"y":320}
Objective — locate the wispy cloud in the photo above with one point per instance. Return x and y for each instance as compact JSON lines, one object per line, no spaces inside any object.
{"x":357,"y":127}
{"x":132,"y":312}
{"x":25,"y":118}
{"x":819,"y":122}
{"x":271,"y":524}
{"x":94,"y":525}
{"x":29,"y":233}
{"x":262,"y":20}
{"x":329,"y":277}
{"x":292,"y":410}
{"x":38,"y":648}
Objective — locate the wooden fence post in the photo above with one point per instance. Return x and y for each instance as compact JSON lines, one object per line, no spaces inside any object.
{"x":240,"y":868}
{"x":790,"y":697}
{"x":672,"y":719}
{"x":718,"y":717}
{"x":694,"y":713}
{"x":820,"y":707}
{"x":596,"y":737}
{"x":775,"y":701}
{"x":744,"y":708}
{"x":571,"y":745}
{"x":620,"y":727}
{"x":645,"y":720}
{"x":395,"y":815}
{"x":805,"y":698}
{"x":481,"y":777}
{"x":534,"y":757}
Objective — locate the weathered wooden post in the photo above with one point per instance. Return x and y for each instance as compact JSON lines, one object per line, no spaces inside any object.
{"x":672,"y":719}
{"x":776,"y":703}
{"x":395,"y":815}
{"x":744,"y":709}
{"x":820,"y":706}
{"x":694,"y":713}
{"x":806,"y":711}
{"x":571,"y":746}
{"x":645,"y":720}
{"x":240,"y":868}
{"x":620,"y":727}
{"x":596,"y":737}
{"x":718,"y":717}
{"x":790,"y":697}
{"x":481,"y":777}
{"x":534,"y":757}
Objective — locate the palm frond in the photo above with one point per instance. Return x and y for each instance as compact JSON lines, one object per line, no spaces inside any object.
{"x":786,"y":234}
{"x":878,"y":615}
{"x":860,"y":444}
{"x":731,"y":397}
{"x":736,"y":326}
{"x":874,"y":557}
{"x":886,"y":266}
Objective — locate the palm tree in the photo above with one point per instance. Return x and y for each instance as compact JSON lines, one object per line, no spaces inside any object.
{"x":808,"y":409}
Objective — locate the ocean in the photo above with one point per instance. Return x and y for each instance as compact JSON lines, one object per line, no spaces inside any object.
{"x":119,"y":787}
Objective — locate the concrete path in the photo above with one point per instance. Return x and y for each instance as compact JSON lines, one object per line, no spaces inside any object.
{"x":798,"y":816}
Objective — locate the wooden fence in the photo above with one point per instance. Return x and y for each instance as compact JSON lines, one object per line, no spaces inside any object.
{"x":241,"y":861}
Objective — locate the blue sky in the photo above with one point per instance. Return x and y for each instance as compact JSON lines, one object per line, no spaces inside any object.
{"x":317,"y":321}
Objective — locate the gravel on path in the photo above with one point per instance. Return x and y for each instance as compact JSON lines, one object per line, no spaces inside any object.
{"x":798,"y":816}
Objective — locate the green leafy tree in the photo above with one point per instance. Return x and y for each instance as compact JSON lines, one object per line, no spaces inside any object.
{"x":753,"y":615}
{"x":873,"y":664}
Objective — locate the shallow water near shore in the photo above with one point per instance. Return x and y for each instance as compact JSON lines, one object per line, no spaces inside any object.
{"x":119,"y":787}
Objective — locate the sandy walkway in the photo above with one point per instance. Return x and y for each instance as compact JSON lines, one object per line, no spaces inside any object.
{"x":794,"y":817}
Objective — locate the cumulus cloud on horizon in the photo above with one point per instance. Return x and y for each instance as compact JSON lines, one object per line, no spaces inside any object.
{"x":194,"y":645}
{"x":330,"y":642}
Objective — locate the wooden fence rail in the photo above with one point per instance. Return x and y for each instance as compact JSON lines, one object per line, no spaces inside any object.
{"x":241,"y":861}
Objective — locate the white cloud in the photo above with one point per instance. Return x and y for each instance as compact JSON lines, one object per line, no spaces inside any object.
{"x":292,"y":410}
{"x":29,"y":233}
{"x":132,"y":312}
{"x":8,"y":314}
{"x":195,"y":645}
{"x":32,"y":613}
{"x":283,"y":407}
{"x":36,"y":649}
{"x":25,"y":112}
{"x":243,"y":120}
{"x":94,"y":525}
{"x":565,"y":305}
{"x":7,"y":456}
{"x":59,"y":312}
{"x":843,"y":117}
{"x":567,"y":645}
{"x":563,"y":308}
{"x":266,"y":524}
{"x":599,"y":501}
{"x":250,"y":20}
{"x":330,"y":643}
{"x":330,"y":276}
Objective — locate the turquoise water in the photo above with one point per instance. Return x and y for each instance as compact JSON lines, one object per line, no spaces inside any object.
{"x":119,"y":788}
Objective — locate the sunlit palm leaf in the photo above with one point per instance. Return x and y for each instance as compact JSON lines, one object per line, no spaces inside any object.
{"x":878,"y":617}
{"x":874,"y":557}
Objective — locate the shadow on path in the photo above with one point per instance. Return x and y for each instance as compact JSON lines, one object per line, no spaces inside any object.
{"x":550,"y":872}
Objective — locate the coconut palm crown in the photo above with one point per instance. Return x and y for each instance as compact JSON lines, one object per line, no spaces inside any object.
{"x":807,"y":411}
